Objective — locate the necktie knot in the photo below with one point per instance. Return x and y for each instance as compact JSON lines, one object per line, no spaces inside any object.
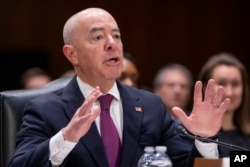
{"x":105,"y":101}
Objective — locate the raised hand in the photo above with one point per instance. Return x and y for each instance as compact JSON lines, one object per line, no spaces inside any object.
{"x":206,"y":117}
{"x":83,"y":118}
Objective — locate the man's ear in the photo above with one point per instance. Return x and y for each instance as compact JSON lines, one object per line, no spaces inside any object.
{"x":70,"y":54}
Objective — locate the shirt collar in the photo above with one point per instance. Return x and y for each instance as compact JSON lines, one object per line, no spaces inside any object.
{"x":86,"y":89}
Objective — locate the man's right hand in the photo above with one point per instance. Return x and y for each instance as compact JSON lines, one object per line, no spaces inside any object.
{"x":83,"y":118}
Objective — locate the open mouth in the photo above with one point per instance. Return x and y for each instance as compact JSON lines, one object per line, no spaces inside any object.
{"x":113,"y":60}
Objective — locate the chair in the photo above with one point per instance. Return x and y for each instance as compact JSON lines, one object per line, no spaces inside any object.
{"x":11,"y":110}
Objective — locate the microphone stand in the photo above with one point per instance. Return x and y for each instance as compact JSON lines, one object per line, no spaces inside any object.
{"x":183,"y":132}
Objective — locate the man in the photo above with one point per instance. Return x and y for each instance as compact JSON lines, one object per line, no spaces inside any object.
{"x":64,"y":128}
{"x":35,"y":77}
{"x":174,"y":83}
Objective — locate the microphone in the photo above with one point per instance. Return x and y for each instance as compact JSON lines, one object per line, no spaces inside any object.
{"x":183,"y":132}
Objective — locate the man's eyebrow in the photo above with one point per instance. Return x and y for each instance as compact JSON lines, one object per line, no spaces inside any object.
{"x":116,"y":30}
{"x":96,"y":29}
{"x":102,"y":29}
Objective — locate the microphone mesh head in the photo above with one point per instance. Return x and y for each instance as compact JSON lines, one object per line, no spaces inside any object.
{"x":181,"y":130}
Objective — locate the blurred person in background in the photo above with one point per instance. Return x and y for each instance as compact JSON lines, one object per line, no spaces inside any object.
{"x":69,"y":73}
{"x":130,"y":73}
{"x":229,"y":72}
{"x":174,"y":84}
{"x":35,"y":77}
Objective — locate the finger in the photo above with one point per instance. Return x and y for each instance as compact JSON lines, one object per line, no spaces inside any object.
{"x":97,"y":88}
{"x":225,"y":104}
{"x":89,"y":101}
{"x":218,"y":96}
{"x":179,"y":113}
{"x":209,"y":92}
{"x":198,"y":92}
{"x":95,"y":112}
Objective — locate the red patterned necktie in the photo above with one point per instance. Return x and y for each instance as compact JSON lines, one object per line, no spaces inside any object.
{"x":109,"y":134}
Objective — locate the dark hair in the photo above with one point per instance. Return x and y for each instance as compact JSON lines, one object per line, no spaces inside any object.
{"x":173,"y":66}
{"x":128,"y":56}
{"x":132,"y":59}
{"x":242,"y":114}
{"x":31,"y":72}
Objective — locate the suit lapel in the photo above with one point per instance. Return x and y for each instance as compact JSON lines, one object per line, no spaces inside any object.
{"x":95,"y":146}
{"x":132,"y":116}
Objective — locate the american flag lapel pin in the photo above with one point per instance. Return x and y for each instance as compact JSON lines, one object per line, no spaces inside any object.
{"x":138,"y":109}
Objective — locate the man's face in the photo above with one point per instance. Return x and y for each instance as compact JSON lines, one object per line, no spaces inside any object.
{"x":98,"y":48}
{"x":175,"y":89}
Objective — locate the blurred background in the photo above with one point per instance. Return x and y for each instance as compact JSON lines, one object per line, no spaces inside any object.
{"x":154,"y":32}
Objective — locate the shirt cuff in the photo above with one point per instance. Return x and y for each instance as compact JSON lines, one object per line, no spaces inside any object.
{"x":207,"y":150}
{"x":59,"y":149}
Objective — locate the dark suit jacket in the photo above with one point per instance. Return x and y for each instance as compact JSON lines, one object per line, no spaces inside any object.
{"x":46,"y":115}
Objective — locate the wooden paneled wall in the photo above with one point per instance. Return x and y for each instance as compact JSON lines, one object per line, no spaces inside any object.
{"x":155,"y":32}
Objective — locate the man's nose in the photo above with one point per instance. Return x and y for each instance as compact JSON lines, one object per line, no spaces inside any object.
{"x":110,"y":44}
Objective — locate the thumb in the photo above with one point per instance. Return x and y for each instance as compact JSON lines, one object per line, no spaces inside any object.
{"x":179,"y":113}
